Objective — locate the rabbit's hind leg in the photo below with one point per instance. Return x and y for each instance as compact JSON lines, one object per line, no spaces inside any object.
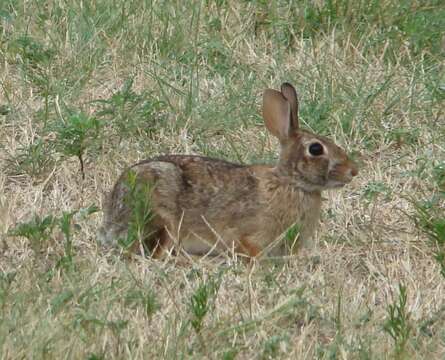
{"x":161,"y":245}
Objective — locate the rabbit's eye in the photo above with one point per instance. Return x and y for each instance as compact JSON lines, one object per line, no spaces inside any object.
{"x":316,"y":149}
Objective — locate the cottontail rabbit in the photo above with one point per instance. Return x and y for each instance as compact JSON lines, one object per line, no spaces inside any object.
{"x":202,"y":205}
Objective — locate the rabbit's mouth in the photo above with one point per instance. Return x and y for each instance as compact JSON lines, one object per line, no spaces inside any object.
{"x":341,"y":175}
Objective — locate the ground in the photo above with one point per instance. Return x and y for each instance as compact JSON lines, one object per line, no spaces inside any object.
{"x":90,"y":87}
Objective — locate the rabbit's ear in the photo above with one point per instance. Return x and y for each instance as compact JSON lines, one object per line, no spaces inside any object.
{"x":277,"y":114}
{"x":290,"y":94}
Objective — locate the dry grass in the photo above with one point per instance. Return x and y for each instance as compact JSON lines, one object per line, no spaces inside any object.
{"x":378,"y":95}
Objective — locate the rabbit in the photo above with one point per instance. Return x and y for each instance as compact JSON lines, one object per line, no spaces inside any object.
{"x":202,"y":205}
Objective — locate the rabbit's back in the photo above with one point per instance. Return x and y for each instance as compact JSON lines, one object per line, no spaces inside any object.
{"x":191,"y":195}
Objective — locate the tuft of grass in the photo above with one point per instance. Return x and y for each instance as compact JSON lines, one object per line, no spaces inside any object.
{"x":37,"y":231}
{"x":291,"y":237}
{"x":430,"y":219}
{"x":202,"y":301}
{"x":130,"y":113}
{"x":34,"y":159}
{"x":138,"y":199}
{"x":273,"y":347}
{"x":397,"y":324}
{"x":75,"y":134}
{"x":143,"y":298}
{"x":6,"y":280}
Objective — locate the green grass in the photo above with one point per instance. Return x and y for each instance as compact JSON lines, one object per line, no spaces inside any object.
{"x":90,"y":87}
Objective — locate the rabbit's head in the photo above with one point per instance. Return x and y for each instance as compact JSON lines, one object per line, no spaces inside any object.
{"x":313,"y":162}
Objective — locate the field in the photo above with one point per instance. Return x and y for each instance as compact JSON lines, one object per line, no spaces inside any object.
{"x":90,"y":87}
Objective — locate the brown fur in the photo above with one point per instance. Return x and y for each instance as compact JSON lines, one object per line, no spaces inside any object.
{"x":204,"y":205}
